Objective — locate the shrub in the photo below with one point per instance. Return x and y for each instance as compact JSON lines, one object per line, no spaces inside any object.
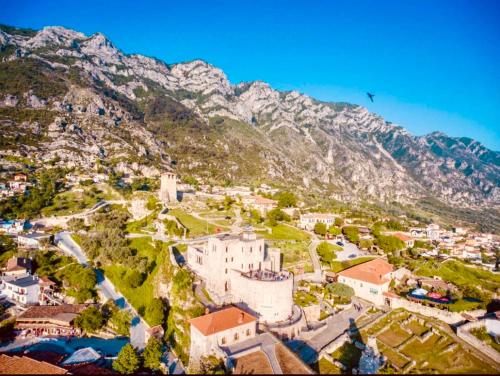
{"x":127,"y":361}
{"x":90,"y":320}
{"x":320,"y":229}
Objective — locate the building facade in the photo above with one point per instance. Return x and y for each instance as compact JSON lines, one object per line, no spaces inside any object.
{"x":22,"y":289}
{"x":212,"y":332}
{"x":309,"y":220}
{"x":370,"y":280}
{"x":241,"y":269}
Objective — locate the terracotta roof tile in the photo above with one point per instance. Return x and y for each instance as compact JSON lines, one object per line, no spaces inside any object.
{"x":373,"y":271}
{"x":23,"y":365}
{"x":219,"y":321}
{"x":402,"y":236}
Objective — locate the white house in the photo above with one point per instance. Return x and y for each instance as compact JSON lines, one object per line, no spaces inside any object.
{"x":17,"y":266}
{"x":32,"y":240}
{"x":241,"y":269}
{"x":408,"y":240}
{"x":262,"y":204}
{"x":369,"y":280}
{"x":22,"y":289}
{"x":307,"y":221}
{"x":212,"y":332}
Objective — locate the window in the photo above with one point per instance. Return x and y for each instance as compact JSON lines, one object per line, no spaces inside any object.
{"x":226,"y":259}
{"x":226,"y":249}
{"x":232,"y":259}
{"x":248,"y":333}
{"x":373,"y":291}
{"x":223,"y":341}
{"x":236,"y":336}
{"x":226,"y":271}
{"x":250,"y":249}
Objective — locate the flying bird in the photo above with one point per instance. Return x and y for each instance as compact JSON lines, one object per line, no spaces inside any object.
{"x":370,"y":96}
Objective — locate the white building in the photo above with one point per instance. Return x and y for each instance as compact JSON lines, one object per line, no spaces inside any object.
{"x":237,"y":191}
{"x":241,"y":269}
{"x":23,"y":289}
{"x":370,"y":280}
{"x":168,"y":188}
{"x":33,"y":239}
{"x":212,"y":332}
{"x":307,"y":221}
{"x":17,"y":266}
{"x":262,"y":204}
{"x":433,"y":232}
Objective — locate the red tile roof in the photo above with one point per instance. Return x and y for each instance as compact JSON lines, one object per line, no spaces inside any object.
{"x":219,"y":321}
{"x":22,"y":365}
{"x":373,"y":271}
{"x":402,"y":236}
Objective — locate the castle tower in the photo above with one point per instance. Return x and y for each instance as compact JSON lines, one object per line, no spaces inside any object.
{"x":168,"y":188}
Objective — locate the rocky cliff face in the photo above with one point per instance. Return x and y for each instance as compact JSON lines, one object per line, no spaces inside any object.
{"x":79,"y":99}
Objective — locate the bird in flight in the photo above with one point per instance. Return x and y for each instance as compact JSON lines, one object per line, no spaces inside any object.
{"x":370,"y":96}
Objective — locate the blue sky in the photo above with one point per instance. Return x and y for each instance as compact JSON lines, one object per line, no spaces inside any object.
{"x":433,"y":65}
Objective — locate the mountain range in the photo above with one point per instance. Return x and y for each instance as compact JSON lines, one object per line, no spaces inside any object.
{"x":76,"y":100}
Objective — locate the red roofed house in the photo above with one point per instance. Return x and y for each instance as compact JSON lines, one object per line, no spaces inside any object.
{"x":370,"y":280}
{"x":226,"y":327}
{"x":408,"y":240}
{"x":262,"y":204}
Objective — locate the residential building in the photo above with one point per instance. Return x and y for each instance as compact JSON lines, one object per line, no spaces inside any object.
{"x":22,"y":289}
{"x":262,"y":204}
{"x":33,"y":240}
{"x":237,"y":191}
{"x":309,"y":220}
{"x":241,"y":269}
{"x":20,"y":177}
{"x":11,"y":227}
{"x":17,"y":266}
{"x":408,"y":240}
{"x":213,"y":331}
{"x":370,"y":280}
{"x":24,"y":365}
{"x":50,"y":320}
{"x":433,"y":232}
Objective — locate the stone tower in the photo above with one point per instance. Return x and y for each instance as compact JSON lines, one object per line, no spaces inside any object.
{"x":168,"y":188}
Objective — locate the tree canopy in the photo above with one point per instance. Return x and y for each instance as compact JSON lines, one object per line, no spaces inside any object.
{"x":351,"y":233}
{"x":90,"y":320}
{"x":152,"y":354}
{"x":340,"y":289}
{"x":127,"y":361}
{"x":320,"y":229}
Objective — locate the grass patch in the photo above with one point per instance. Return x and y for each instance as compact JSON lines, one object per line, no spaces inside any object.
{"x":285,"y":232}
{"x":325,"y":367}
{"x":196,"y":227}
{"x":304,"y":299}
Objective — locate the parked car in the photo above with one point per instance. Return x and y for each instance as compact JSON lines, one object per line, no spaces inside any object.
{"x":340,"y":243}
{"x":351,"y":255}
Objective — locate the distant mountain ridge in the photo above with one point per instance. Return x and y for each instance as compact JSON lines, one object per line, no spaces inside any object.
{"x":77,"y":99}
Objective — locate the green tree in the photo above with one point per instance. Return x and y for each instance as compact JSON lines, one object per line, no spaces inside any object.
{"x":127,"y":361}
{"x":326,"y":252}
{"x":365,"y":244}
{"x":151,"y":203}
{"x":339,"y":222}
{"x":351,"y":233}
{"x":390,"y":244}
{"x":275,"y":215}
{"x":90,"y":320}
{"x":286,"y":199}
{"x":152,"y":354}
{"x":156,"y":312}
{"x":334,"y":230}
{"x":320,"y":229}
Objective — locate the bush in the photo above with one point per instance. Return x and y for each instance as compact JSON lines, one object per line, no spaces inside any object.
{"x":276,"y":215}
{"x":340,"y":289}
{"x":286,"y":199}
{"x":134,"y":278}
{"x":389,"y":243}
{"x":334,"y":230}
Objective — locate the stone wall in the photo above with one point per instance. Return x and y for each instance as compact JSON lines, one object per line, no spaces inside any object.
{"x":446,"y":316}
{"x":463,"y":332}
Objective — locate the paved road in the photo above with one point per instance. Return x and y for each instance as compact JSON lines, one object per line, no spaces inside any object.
{"x":138,"y":328}
{"x":348,"y":250}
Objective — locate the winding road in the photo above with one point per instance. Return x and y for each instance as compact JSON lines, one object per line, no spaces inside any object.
{"x":138,"y":328}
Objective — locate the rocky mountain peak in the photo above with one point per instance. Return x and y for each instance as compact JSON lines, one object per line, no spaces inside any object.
{"x":54,"y":35}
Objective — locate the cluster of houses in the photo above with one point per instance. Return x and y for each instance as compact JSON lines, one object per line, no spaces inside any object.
{"x":15,"y":186}
{"x":19,"y":286}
